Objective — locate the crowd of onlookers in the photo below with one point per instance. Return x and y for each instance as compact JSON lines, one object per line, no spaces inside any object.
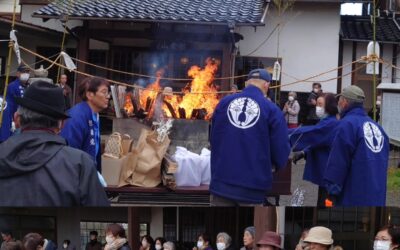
{"x":315,"y":238}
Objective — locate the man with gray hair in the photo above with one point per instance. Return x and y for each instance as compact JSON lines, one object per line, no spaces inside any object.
{"x":37,"y":168}
{"x":356,"y":171}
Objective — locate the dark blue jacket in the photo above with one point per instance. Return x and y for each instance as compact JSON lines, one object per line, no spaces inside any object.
{"x":14,"y":89}
{"x":316,"y":142}
{"x":248,"y":137}
{"x":357,"y":165}
{"x":79,"y":131}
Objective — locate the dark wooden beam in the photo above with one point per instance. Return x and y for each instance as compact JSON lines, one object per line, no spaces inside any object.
{"x":34,"y":2}
{"x":264,"y":220}
{"x":161,"y":35}
{"x":134,"y":227}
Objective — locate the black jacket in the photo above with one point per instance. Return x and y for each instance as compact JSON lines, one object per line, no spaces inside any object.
{"x":37,"y":168}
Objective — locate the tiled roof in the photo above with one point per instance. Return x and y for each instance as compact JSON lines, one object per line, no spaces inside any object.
{"x":205,"y":11}
{"x":356,"y":28}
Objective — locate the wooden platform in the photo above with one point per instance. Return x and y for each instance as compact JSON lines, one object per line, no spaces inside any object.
{"x":186,"y":196}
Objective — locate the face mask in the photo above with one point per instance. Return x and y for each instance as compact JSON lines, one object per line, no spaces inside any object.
{"x":65,"y":245}
{"x":291,"y":98}
{"x":220,"y":245}
{"x":158,"y":247}
{"x":378,"y":103}
{"x":381,"y":245}
{"x":199,"y":244}
{"x":316,"y":90}
{"x":109,"y":239}
{"x":24,"y":77}
{"x":319,"y":111}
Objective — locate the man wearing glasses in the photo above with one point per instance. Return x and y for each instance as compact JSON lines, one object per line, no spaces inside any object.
{"x":82,"y":130}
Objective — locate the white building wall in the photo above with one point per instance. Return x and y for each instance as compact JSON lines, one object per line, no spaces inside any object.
{"x":156,"y":225}
{"x":347,"y":59}
{"x":309,"y":43}
{"x":55,"y":24}
{"x":8,"y":6}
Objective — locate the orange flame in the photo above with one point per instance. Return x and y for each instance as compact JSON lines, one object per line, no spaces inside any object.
{"x":192,"y":99}
{"x":128,"y":104}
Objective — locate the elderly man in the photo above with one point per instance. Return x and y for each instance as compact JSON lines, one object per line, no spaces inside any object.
{"x":14,"y":89}
{"x":356,"y":171}
{"x":66,"y":91}
{"x":248,"y":138}
{"x":37,"y":168}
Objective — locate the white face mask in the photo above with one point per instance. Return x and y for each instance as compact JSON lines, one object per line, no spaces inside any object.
{"x":24,"y":77}
{"x":316,"y":90}
{"x":65,"y":245}
{"x":199,"y":244}
{"x":319,"y":111}
{"x":220,"y":245}
{"x":378,"y":103}
{"x":291,"y":98}
{"x":381,"y":245}
{"x":158,"y":247}
{"x":109,"y":239}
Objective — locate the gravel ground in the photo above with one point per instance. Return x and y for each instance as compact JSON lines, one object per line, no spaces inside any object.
{"x":311,"y":190}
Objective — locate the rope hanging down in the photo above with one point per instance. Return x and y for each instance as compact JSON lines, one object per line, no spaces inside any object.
{"x":362,"y":59}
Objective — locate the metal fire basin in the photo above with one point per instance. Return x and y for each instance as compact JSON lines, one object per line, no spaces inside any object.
{"x":191,"y":134}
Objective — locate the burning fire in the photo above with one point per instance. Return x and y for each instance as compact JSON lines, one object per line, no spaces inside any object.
{"x":198,"y":101}
{"x":194,"y":96}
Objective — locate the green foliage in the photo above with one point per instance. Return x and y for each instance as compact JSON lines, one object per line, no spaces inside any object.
{"x":393,"y":181}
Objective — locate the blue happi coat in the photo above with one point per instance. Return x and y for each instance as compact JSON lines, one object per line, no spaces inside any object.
{"x":316,"y":142}
{"x":82,"y":131}
{"x":14,"y":89}
{"x":248,"y":137}
{"x":357,"y":166}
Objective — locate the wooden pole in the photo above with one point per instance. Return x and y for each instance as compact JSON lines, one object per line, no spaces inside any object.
{"x":10,"y":45}
{"x":264,"y":220}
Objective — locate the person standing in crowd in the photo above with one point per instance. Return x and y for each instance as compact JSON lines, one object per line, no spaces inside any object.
{"x":93,"y":244}
{"x":203,"y":242}
{"x":248,"y":238}
{"x":270,"y":241}
{"x":314,"y":143}
{"x":303,"y":245}
{"x":14,"y":89}
{"x":66,"y":91}
{"x":359,"y":155}
{"x":291,"y":110}
{"x":377,"y":109}
{"x":224,"y":242}
{"x":319,"y":238}
{"x":159,"y":242}
{"x":41,"y":169}
{"x":82,"y":130}
{"x":312,"y":118}
{"x":67,"y":245}
{"x":248,"y":138}
{"x":116,"y":238}
{"x":13,"y":245}
{"x":169,"y":245}
{"x":147,"y":243}
{"x":6,"y":236}
{"x":387,"y":238}
{"x":33,"y":241}
{"x":49,"y":245}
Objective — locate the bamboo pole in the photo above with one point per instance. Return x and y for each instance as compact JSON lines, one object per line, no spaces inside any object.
{"x":10,"y":45}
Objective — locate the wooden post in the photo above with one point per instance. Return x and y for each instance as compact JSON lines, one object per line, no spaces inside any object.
{"x":83,"y":54}
{"x":133,"y":228}
{"x":264,"y":220}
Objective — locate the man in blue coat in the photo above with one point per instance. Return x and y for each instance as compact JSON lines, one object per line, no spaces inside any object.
{"x":82,"y":130}
{"x":14,"y":89}
{"x":356,"y":171}
{"x":248,"y":138}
